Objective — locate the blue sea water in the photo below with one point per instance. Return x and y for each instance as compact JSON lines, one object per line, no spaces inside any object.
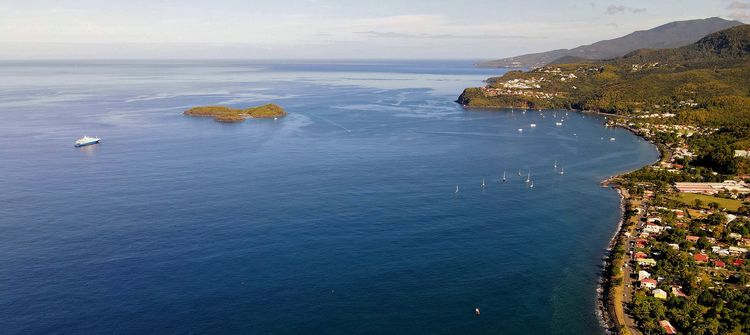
{"x":339,"y":219}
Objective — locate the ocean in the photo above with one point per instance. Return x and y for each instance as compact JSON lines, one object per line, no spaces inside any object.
{"x":341,"y":218}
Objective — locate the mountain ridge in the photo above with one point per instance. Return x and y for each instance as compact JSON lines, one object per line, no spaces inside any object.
{"x":670,"y":35}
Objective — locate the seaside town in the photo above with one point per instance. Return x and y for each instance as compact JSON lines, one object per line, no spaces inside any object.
{"x":680,"y":262}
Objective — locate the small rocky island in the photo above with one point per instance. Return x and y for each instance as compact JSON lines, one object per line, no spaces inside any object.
{"x":228,"y":114}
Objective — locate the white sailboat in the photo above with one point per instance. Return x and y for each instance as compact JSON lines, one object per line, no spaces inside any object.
{"x":456,"y":188}
{"x":555,"y":164}
{"x":483,"y":184}
{"x":562,"y":171}
{"x":528,"y":177}
{"x":531,"y":185}
{"x":503,"y":176}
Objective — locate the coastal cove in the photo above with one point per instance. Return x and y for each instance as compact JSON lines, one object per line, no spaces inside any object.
{"x":339,"y":218}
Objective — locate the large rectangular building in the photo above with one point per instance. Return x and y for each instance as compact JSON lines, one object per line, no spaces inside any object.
{"x":713,"y":188}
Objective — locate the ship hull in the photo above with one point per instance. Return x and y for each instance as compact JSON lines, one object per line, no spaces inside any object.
{"x":78,"y":145}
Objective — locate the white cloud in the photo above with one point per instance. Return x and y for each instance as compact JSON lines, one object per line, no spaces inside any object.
{"x":388,"y":34}
{"x":615,"y":9}
{"x":739,"y":10}
{"x":739,"y":5}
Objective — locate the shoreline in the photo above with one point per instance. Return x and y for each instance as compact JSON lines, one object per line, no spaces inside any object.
{"x":604,"y":290}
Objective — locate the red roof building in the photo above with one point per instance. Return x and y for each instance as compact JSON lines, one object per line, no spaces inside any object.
{"x":738,"y":262}
{"x":701,"y":258}
{"x":692,"y":238}
{"x":648,"y":283}
{"x":640,"y":255}
{"x":719,"y":264}
{"x":668,"y":327}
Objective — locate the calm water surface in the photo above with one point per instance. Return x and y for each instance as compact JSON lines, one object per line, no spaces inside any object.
{"x":338,"y":219}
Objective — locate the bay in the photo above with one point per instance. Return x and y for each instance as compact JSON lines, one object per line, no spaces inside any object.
{"x":341,"y":218}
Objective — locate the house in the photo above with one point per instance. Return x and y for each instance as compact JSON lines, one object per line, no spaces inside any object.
{"x":742,"y":153}
{"x":659,"y":294}
{"x":647,"y":262}
{"x":674,"y":246}
{"x":737,"y":251}
{"x":648,"y":283}
{"x":640,"y":255}
{"x":700,"y":258}
{"x":719,"y":264}
{"x":692,"y":238}
{"x":653,"y":228}
{"x":745,"y":242}
{"x":738,"y":262}
{"x":641,"y":242}
{"x":643,"y":275}
{"x":668,"y":328}
{"x":735,"y":236}
{"x":677,"y":292}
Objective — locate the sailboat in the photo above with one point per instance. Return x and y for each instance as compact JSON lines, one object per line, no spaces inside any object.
{"x":456,"y":188}
{"x":528,"y":177}
{"x":555,"y":165}
{"x":531,"y":185}
{"x":483,"y":184}
{"x":503,"y":176}
{"x":519,"y":172}
{"x":562,"y":171}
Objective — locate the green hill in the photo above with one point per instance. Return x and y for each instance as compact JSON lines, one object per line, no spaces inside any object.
{"x":227,"y":114}
{"x":707,"y":82}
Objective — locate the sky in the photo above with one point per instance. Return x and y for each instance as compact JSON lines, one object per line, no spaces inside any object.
{"x":329,"y":29}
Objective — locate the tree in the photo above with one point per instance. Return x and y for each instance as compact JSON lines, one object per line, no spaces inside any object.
{"x":703,"y":244}
{"x":698,"y":203}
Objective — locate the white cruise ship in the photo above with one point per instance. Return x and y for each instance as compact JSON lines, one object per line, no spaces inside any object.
{"x":85,"y":140}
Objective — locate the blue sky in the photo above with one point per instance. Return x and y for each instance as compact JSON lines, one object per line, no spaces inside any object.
{"x":268,"y":29}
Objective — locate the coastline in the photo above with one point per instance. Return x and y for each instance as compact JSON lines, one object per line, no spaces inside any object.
{"x":605,"y":310}
{"x":605,"y":302}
